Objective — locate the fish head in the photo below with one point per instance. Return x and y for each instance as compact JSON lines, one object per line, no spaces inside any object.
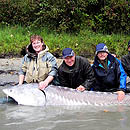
{"x":11,"y":91}
{"x":26,"y":95}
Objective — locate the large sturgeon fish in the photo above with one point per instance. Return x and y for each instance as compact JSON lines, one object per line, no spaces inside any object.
{"x":29,"y":94}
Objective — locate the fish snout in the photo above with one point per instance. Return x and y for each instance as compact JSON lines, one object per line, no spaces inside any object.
{"x":7,"y":91}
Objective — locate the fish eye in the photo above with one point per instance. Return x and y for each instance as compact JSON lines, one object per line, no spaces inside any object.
{"x":11,"y":90}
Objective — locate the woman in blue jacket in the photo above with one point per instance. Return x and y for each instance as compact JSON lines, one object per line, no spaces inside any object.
{"x":109,"y":73}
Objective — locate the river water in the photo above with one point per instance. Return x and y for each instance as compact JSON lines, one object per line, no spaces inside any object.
{"x":18,"y":117}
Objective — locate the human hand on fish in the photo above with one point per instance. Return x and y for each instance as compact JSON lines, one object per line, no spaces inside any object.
{"x":121,"y":95}
{"x":43,"y":85}
{"x":81,"y":88}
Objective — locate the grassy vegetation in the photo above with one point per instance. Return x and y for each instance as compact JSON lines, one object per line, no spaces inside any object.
{"x":14,"y":39}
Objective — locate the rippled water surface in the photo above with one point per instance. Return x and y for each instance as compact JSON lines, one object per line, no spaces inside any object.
{"x":17,"y":117}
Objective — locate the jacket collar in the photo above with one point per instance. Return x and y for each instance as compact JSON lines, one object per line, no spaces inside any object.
{"x":110,"y":59}
{"x":32,"y":54}
{"x":40,"y":54}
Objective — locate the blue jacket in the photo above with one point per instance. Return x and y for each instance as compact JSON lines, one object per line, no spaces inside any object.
{"x":112,"y":79}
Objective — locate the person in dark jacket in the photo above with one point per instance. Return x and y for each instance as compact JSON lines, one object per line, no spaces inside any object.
{"x":125,"y":60}
{"x":75,"y":71}
{"x":109,"y":73}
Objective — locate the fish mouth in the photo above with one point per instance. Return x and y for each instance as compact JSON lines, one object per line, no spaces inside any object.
{"x":8,"y":97}
{"x":6,"y":92}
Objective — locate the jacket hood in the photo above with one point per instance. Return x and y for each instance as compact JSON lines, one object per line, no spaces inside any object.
{"x":109,"y":57}
{"x":31,"y":52}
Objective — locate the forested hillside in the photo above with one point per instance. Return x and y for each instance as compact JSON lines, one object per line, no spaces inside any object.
{"x":107,"y":16}
{"x":79,"y":24}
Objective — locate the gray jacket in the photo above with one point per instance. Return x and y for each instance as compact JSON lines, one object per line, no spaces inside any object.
{"x":37,"y":68}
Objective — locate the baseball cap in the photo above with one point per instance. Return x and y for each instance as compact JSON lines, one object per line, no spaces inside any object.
{"x":67,"y":52}
{"x":101,"y":47}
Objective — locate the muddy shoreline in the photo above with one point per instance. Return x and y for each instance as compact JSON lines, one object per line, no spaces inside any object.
{"x":9,"y":69}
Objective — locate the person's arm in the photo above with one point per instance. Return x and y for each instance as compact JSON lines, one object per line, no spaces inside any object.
{"x":51,"y":65}
{"x":21,"y":79}
{"x":122,"y":87}
{"x":121,"y":95}
{"x":123,"y":77}
{"x":126,"y":64}
{"x":81,"y":88}
{"x":45,"y":83}
{"x":89,"y":75}
{"x":63,"y":77}
{"x":52,"y":68}
{"x":22,"y":71}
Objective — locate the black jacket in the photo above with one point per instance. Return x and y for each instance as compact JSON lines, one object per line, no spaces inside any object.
{"x":125,"y":60}
{"x":80,"y":73}
{"x":112,"y":79}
